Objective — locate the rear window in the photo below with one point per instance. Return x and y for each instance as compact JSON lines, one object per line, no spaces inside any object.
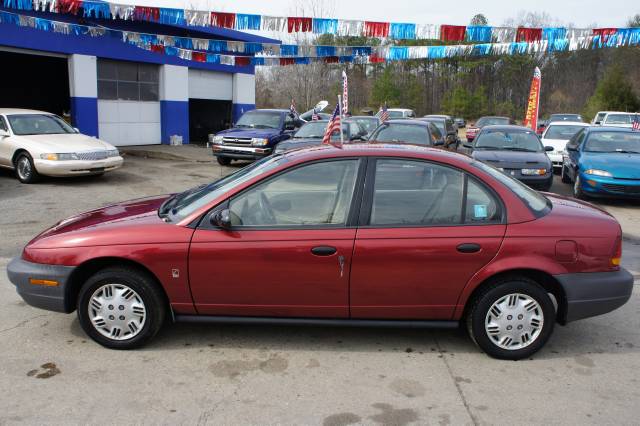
{"x":407,"y":133}
{"x":619,"y":119}
{"x":562,"y":132}
{"x":537,"y":203}
{"x":492,"y":121}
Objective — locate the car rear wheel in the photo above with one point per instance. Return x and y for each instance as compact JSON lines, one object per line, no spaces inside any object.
{"x":224,"y":161}
{"x":511,"y":319}
{"x":25,"y":170}
{"x":564,"y":176}
{"x":121,"y":308}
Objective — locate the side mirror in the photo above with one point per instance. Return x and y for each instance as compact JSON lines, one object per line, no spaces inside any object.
{"x":572,"y":148}
{"x":4,"y":133}
{"x":597,"y":123}
{"x":289,"y":126}
{"x":221,"y":219}
{"x":438,"y":143}
{"x":76,"y":129}
{"x":549,"y":148}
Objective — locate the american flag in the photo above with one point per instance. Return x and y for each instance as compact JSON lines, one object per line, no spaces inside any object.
{"x":383,"y":114}
{"x":345,"y":93}
{"x":636,"y":122}
{"x":292,"y":108}
{"x":334,"y":125}
{"x":315,"y":116}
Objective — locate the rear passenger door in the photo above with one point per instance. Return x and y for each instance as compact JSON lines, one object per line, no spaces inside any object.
{"x":425,"y":230}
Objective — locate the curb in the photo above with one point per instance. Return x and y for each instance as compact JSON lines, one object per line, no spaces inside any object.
{"x":162,"y":156}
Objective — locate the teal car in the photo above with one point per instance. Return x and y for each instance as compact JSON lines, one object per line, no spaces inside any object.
{"x":603,"y":162}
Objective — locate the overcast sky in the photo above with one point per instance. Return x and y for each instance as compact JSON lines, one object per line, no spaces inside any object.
{"x":580,"y":13}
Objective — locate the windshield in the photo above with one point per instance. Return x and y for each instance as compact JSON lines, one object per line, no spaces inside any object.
{"x":492,"y":121}
{"x":619,"y":119}
{"x":408,"y":133}
{"x":623,"y":142}
{"x":312,"y":130}
{"x":538,"y":203}
{"x":395,"y":114}
{"x":565,"y":117}
{"x":183,"y":204}
{"x":369,"y":124}
{"x":260,"y":120}
{"x":38,"y":124}
{"x":514,"y":140}
{"x":562,"y":132}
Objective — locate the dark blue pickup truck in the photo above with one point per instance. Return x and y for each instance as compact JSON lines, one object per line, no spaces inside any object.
{"x":255,"y":135}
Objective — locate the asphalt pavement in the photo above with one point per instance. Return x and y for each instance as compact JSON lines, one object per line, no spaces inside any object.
{"x":50,"y":372}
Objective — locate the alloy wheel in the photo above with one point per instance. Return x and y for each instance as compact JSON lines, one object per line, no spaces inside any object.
{"x":24,"y":168}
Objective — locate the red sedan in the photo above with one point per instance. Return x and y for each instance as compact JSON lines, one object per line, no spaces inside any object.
{"x":378,"y":235}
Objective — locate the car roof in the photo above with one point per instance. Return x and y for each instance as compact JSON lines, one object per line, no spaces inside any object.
{"x":565,"y":113}
{"x":373,"y":149}
{"x":569,"y":123}
{"x":399,"y":109}
{"x":371,"y":117}
{"x":437,"y":116}
{"x":407,"y":121}
{"x":269,"y":110}
{"x":597,"y":129}
{"x":7,"y":111}
{"x":507,"y":127}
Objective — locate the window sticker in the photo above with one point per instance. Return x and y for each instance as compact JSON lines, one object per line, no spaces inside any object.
{"x":480,"y":211}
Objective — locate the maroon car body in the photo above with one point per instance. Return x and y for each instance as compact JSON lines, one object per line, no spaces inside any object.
{"x":412,"y":275}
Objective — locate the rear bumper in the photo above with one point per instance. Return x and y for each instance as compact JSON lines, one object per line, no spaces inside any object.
{"x":77,"y":167}
{"x":47,"y":297}
{"x":241,"y":152}
{"x":596,"y":293}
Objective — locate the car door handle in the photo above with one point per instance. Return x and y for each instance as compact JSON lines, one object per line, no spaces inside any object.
{"x":324,"y":250}
{"x":469,"y":248}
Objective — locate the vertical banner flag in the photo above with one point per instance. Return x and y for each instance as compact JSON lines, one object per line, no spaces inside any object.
{"x":345,"y":93}
{"x":533,"y":104}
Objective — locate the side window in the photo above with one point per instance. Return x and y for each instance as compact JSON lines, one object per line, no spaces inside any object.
{"x":315,"y":194}
{"x":289,"y":122}
{"x":3,"y":125}
{"x":482,"y":206}
{"x":576,"y":140}
{"x":435,"y":133}
{"x":449,"y":125}
{"x":410,"y":192}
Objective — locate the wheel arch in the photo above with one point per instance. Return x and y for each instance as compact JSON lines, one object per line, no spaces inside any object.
{"x":17,"y":153}
{"x":88,"y":268}
{"x":544,"y":279}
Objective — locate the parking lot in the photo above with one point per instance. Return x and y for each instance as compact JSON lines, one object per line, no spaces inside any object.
{"x":229,"y":374}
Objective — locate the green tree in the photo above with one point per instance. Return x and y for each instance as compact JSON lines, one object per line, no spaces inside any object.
{"x":613,"y":93}
{"x":385,"y":90}
{"x":457,"y":103}
{"x":634,"y":21}
{"x":479,"y":19}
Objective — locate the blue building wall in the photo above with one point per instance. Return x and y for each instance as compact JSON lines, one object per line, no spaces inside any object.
{"x":174,"y":120}
{"x":84,"y":115}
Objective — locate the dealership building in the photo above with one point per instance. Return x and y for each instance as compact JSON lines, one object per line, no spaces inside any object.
{"x":119,"y":92}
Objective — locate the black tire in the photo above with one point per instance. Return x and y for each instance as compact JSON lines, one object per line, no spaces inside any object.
{"x":223,"y":161}
{"x":564,"y":176}
{"x":28,"y":175}
{"x":577,"y":190}
{"x":477,"y":315}
{"x":145,"y":287}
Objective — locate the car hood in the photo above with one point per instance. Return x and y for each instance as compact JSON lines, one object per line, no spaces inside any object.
{"x":621,"y":166}
{"x":67,"y":142}
{"x":513,"y":159}
{"x":129,"y":222}
{"x":249,"y":133}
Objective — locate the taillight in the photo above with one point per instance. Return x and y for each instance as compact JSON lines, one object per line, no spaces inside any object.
{"x":617,"y":252}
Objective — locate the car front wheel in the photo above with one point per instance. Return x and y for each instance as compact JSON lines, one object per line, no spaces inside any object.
{"x":223,"y":161}
{"x":564,"y":176}
{"x":577,"y":189}
{"x":511,"y":319}
{"x":25,"y":170}
{"x":121,"y":308}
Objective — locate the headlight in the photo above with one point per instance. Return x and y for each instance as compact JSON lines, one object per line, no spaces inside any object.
{"x":596,"y":172}
{"x":113,"y":153}
{"x":259,"y":142}
{"x":217,"y":140}
{"x":60,"y":157}
{"x":534,"y":172}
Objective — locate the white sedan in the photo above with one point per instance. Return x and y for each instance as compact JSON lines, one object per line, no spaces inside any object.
{"x":557,"y":134}
{"x":35,"y":143}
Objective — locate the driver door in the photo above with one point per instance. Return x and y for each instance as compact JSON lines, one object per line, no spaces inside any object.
{"x":288,"y":251}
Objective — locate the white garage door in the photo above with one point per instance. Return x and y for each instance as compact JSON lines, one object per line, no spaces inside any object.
{"x":210,"y":85}
{"x":129,"y":122}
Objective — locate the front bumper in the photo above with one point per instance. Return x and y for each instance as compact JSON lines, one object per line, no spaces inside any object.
{"x":77,"y":167}
{"x":557,"y":159}
{"x":595,"y":293}
{"x":241,"y":152}
{"x":599,"y":186}
{"x":49,"y":297}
